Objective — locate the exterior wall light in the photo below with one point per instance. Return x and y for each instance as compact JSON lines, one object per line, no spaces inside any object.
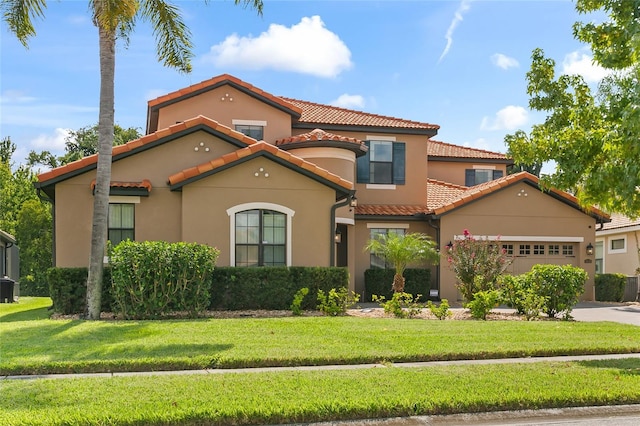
{"x":449,"y":246}
{"x":589,"y":249}
{"x":337,"y":237}
{"x":353,"y":202}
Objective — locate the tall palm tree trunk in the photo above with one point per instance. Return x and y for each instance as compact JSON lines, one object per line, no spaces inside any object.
{"x":106,"y":119}
{"x":398,"y":283}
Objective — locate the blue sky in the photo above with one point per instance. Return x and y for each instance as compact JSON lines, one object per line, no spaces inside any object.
{"x":457,"y":63}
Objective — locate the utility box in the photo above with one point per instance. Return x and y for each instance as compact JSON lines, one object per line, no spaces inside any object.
{"x":6,"y":290}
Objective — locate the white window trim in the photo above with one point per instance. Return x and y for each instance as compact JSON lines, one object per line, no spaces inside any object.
{"x":124,"y":199}
{"x":380,"y":186}
{"x":617,"y":251}
{"x":381,"y":225}
{"x":483,"y":167}
{"x":249,"y":122}
{"x":231,"y":212}
{"x":380,"y":138}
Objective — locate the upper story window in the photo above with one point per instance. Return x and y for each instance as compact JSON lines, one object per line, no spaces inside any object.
{"x":617,"y":245}
{"x":121,"y":222}
{"x":256,"y":132}
{"x":474,"y":177}
{"x":384,"y":163}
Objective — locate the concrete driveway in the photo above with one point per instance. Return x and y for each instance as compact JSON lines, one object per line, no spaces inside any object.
{"x":627,"y":313}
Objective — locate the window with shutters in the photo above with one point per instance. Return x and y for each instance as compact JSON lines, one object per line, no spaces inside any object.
{"x":384,"y":163}
{"x":474,"y":177}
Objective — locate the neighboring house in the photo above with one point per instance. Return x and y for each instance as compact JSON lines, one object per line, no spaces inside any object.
{"x":278,"y":181}
{"x":9,"y":256}
{"x":617,"y":246}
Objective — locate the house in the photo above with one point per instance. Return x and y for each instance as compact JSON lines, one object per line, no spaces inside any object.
{"x":9,"y":259}
{"x":617,"y":248}
{"x":277,"y":181}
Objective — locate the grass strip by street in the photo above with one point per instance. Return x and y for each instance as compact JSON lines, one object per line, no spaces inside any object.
{"x":73,"y":346}
{"x":307,"y":396}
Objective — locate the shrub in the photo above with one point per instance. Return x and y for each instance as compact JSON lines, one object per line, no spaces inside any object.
{"x":477,"y":264}
{"x":68,"y":290}
{"x":561,"y":285}
{"x":378,"y":282}
{"x":155,"y":278}
{"x":297,"y":301}
{"x":519,"y":294}
{"x":401,"y":305}
{"x":483,"y":302}
{"x":442,"y":311}
{"x":610,"y":287}
{"x":34,"y":285}
{"x":236,"y":288}
{"x":336,"y":302}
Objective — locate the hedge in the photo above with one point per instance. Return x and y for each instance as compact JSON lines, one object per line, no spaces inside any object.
{"x":273,"y":287}
{"x":610,"y":287}
{"x":68,"y":290}
{"x":379,"y":281}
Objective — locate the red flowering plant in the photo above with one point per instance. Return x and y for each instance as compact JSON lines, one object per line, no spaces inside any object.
{"x":477,"y":263}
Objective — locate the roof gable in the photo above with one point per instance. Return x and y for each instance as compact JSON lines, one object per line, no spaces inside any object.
{"x":146,"y":142}
{"x":184,"y":177}
{"x":156,"y":104}
{"x":319,"y":137}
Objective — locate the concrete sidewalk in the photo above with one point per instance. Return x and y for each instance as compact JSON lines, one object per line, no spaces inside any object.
{"x":332,"y":367}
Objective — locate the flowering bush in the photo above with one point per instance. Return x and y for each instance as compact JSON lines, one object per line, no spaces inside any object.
{"x":477,"y":264}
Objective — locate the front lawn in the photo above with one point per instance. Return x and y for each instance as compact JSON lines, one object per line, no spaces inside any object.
{"x":60,"y":346}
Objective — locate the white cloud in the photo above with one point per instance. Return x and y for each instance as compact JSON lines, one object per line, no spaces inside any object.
{"x":307,"y":47}
{"x":582,"y":64}
{"x":504,"y":61}
{"x":508,"y":118}
{"x":464,"y":7}
{"x":349,"y":101}
{"x":52,"y":142}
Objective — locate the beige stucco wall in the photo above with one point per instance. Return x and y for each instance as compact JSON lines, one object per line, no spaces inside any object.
{"x":205,"y":203}
{"x":454,"y":172}
{"x":363,"y":234}
{"x":508,"y":215}
{"x":620,"y":261}
{"x":224,"y":104}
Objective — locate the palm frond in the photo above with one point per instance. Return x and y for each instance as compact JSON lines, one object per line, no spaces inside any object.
{"x":19,"y":15}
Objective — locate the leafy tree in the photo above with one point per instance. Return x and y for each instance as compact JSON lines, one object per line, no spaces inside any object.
{"x":521,"y":141}
{"x":7,"y":149}
{"x":114,"y":20}
{"x":81,"y":143}
{"x":401,"y":250}
{"x":34,"y":234}
{"x":592,"y":137}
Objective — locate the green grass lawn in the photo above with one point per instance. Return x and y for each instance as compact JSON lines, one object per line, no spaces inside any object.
{"x":31,"y":343}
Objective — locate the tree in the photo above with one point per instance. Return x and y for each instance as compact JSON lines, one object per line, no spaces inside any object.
{"x":521,"y":141}
{"x":401,"y":250}
{"x":114,"y":20}
{"x":592,"y":138}
{"x":81,"y":143}
{"x":34,"y":234}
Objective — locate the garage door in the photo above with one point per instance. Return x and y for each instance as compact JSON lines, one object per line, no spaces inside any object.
{"x":527,"y":254}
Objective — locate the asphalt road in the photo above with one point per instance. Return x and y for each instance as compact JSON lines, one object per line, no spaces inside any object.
{"x":598,"y":311}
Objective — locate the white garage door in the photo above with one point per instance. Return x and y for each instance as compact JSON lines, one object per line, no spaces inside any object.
{"x":527,"y":254}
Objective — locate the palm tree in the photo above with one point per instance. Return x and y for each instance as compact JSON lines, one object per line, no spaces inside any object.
{"x":115,"y":19}
{"x":401,"y":250}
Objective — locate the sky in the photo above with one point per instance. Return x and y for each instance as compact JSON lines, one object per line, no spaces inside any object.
{"x":460,"y":64}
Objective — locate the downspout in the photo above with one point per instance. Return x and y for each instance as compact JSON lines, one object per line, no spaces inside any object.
{"x":437,"y":277}
{"x":336,"y":206}
{"x":53,"y":223}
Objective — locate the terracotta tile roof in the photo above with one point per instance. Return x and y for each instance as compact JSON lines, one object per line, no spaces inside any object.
{"x":390,"y":210}
{"x":326,"y":114}
{"x":479,"y":191}
{"x":619,"y":221}
{"x":317,"y":135}
{"x":217,"y":81}
{"x":145,"y":140}
{"x":443,"y":149}
{"x":145,"y":184}
{"x":258,"y":147}
{"x":440,"y":193}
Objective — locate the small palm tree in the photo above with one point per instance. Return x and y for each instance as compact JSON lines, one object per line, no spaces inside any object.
{"x":401,"y":250}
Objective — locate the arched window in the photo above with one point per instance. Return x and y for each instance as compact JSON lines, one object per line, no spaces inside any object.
{"x":260,"y":235}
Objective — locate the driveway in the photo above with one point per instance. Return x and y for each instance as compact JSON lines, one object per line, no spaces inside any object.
{"x":627,"y":313}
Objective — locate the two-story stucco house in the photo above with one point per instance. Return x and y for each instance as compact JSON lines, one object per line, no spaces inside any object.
{"x":277,"y":181}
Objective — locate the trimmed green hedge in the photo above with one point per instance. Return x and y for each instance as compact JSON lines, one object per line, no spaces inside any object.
{"x":379,"y":282}
{"x":610,"y":287}
{"x":68,"y":290}
{"x":273,"y":287}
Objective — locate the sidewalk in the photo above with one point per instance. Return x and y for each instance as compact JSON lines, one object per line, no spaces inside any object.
{"x":332,"y":367}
